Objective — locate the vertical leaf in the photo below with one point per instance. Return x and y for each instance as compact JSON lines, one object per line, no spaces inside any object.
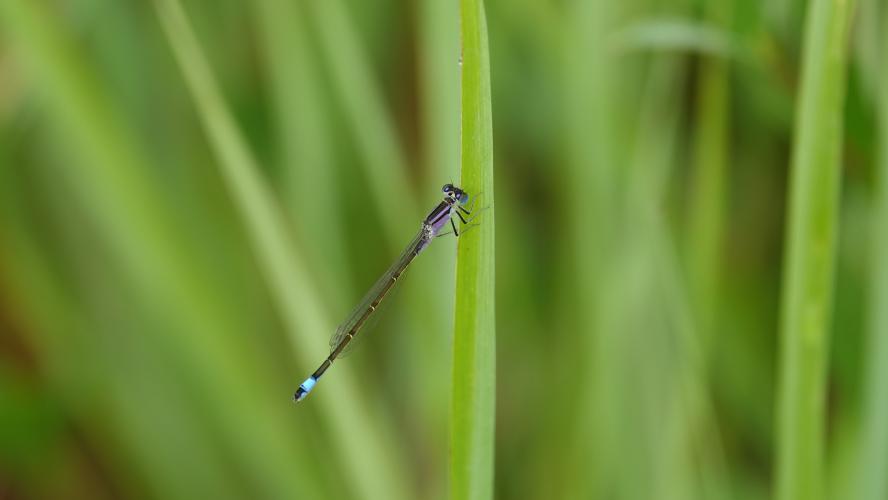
{"x":810,"y":253}
{"x":360,"y":445}
{"x":110,"y":175}
{"x":472,"y":411}
{"x":710,"y":168}
{"x":438,"y":34}
{"x":371,"y":124}
{"x":874,"y":433}
{"x":308,"y":174}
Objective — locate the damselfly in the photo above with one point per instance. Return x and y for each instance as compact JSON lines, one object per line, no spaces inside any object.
{"x":454,"y":202}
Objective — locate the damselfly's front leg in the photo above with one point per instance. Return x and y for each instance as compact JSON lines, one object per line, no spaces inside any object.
{"x":453,"y":225}
{"x":466,"y":222}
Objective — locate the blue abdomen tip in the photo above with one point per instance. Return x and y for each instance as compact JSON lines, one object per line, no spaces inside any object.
{"x":304,"y":389}
{"x":309,"y":384}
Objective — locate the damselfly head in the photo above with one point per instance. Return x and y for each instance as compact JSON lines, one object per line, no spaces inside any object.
{"x":455,"y":193}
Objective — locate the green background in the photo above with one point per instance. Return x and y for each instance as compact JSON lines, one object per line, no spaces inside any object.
{"x":172,"y":260}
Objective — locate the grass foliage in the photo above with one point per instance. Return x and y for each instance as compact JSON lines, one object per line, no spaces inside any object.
{"x":810,"y":255}
{"x":682,"y":295}
{"x":474,"y":335}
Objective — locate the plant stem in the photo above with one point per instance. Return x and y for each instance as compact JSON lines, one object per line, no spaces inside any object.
{"x":474,"y":351}
{"x":360,"y":445}
{"x":874,"y":434}
{"x":809,"y":258}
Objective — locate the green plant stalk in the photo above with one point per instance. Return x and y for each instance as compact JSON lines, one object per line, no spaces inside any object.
{"x":705,"y":239}
{"x":360,"y":445}
{"x":438,"y":33}
{"x":474,"y":342}
{"x":595,"y":133}
{"x":440,"y":86}
{"x":166,"y":411}
{"x":866,"y":45}
{"x":372,"y":126}
{"x":59,"y":335}
{"x":710,"y":167}
{"x":809,"y":258}
{"x":873,"y":482}
{"x":109,"y":176}
{"x":305,"y":166}
{"x":671,"y":475}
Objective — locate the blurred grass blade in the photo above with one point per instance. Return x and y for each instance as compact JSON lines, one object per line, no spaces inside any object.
{"x":440,"y":87}
{"x":111,"y":178}
{"x":809,"y":258}
{"x":597,"y":106}
{"x":372,"y":125}
{"x":707,"y":205}
{"x":361,"y":447}
{"x":474,"y":351}
{"x":867,"y":50}
{"x":309,"y":177}
{"x":874,"y":432}
{"x":438,"y":33}
{"x":706,"y":234}
{"x":675,"y":35}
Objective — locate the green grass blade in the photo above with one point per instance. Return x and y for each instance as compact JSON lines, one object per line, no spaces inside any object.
{"x":440,"y":87}
{"x":596,"y":111}
{"x":110,"y":176}
{"x":474,"y":352}
{"x":305,"y":161}
{"x":364,"y":107}
{"x":361,"y":447}
{"x":674,"y":35}
{"x":810,"y":253}
{"x":874,"y":432}
{"x":439,"y":90}
{"x":707,"y":208}
{"x":706,"y":228}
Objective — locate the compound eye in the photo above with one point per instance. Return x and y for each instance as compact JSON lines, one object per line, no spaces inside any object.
{"x":463,"y":198}
{"x":447,"y":188}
